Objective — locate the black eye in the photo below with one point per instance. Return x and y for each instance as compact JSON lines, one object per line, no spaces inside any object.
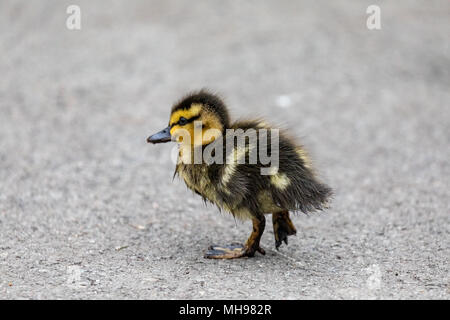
{"x":182,"y":121}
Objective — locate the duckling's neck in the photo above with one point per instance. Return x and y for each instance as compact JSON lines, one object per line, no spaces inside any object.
{"x":190,"y":154}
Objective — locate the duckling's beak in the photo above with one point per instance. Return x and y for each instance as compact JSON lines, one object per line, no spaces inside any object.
{"x":160,"y":137}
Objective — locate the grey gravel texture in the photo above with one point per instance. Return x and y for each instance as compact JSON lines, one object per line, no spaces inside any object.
{"x":89,"y":210}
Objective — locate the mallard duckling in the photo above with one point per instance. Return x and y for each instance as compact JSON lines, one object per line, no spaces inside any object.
{"x":223,"y":173}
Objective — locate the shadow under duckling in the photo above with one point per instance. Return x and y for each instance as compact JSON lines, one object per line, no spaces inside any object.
{"x":223,"y":162}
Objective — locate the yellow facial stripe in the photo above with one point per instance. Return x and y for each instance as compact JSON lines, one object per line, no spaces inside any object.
{"x":173,"y":129}
{"x":193,"y":111}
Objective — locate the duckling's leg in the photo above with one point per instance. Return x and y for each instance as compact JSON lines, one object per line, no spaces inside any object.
{"x":282,"y":227}
{"x":252,"y":244}
{"x":234,"y":251}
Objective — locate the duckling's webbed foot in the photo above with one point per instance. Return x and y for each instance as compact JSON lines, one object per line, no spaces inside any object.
{"x":282,"y":227}
{"x":231,"y":251}
{"x":237,"y":250}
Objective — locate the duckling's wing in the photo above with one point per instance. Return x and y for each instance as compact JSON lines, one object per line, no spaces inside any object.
{"x":293,"y":184}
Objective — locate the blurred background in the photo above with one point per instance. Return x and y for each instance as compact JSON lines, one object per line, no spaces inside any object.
{"x":89,"y":210}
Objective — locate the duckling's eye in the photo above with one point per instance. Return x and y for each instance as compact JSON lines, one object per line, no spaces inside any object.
{"x":182,"y":121}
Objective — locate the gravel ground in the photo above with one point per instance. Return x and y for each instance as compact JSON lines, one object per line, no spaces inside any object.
{"x":89,"y":210}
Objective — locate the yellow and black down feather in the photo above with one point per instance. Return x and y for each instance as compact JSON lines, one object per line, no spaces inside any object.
{"x":241,"y":189}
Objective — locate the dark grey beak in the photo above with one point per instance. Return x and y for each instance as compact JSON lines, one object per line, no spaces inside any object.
{"x":160,"y":137}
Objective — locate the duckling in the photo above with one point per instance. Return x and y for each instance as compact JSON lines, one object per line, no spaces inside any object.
{"x":237,"y":177}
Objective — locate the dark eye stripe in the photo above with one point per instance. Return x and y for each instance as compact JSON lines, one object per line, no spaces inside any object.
{"x":182,"y":121}
{"x":186,"y":122}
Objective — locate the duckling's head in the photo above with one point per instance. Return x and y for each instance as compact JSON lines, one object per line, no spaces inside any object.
{"x":197,"y":119}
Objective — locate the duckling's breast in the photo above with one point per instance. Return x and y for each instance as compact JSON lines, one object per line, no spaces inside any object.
{"x":197,"y":179}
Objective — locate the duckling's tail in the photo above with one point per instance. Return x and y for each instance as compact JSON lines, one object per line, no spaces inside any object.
{"x":319,"y":199}
{"x":305,"y":193}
